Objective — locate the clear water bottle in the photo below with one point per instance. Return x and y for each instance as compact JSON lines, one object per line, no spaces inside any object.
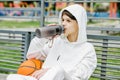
{"x":49,"y":31}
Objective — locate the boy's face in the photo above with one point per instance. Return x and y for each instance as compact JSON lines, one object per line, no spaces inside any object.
{"x":70,"y":26}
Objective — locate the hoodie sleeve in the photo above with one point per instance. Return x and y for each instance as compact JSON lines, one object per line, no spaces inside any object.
{"x":38,"y":48}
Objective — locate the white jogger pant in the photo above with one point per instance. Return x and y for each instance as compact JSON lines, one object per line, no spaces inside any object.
{"x":19,"y":77}
{"x":55,"y":73}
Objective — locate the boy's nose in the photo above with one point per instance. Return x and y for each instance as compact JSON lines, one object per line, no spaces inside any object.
{"x":63,"y":23}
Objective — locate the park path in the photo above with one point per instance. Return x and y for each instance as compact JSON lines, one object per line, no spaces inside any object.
{"x":3,"y":76}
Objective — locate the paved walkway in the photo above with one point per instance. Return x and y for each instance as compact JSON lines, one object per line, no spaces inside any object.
{"x":3,"y":76}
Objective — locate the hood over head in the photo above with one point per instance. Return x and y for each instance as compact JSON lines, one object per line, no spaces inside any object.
{"x":80,"y":14}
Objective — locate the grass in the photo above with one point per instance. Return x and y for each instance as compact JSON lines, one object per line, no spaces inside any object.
{"x":116,"y":34}
{"x":10,"y":55}
{"x":111,"y":61}
{"x":19,"y":24}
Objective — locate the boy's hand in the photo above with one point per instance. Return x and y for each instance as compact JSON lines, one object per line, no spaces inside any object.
{"x":39,"y":73}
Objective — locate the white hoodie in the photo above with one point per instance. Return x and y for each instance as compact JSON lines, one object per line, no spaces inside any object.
{"x":67,"y":60}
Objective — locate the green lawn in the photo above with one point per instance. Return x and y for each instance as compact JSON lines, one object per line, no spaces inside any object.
{"x":19,"y":24}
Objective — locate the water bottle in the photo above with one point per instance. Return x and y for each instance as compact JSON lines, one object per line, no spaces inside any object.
{"x":49,"y":31}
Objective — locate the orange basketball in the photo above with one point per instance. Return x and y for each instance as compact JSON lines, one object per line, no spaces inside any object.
{"x":29,"y":66}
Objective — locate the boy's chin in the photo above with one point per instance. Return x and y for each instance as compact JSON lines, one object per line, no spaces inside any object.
{"x":63,"y":36}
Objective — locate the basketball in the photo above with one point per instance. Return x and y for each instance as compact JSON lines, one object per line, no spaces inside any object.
{"x":29,"y":66}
